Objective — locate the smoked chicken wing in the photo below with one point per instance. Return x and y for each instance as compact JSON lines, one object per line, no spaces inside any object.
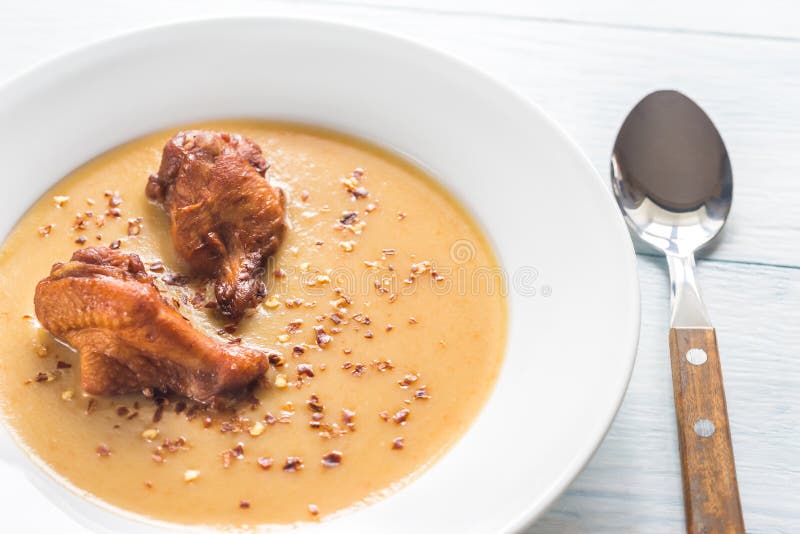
{"x":105,"y":305}
{"x":226,"y":218}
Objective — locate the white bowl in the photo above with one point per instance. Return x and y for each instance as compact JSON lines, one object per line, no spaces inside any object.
{"x":574,"y":304}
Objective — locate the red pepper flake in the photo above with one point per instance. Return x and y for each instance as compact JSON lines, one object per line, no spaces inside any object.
{"x":369,"y":334}
{"x":157,"y":267}
{"x":133,"y":416}
{"x":348,"y":417}
{"x":412,"y":320}
{"x":227,"y":426}
{"x":384,"y":415}
{"x":123,"y":411}
{"x":115,"y":200}
{"x":114,"y":245}
{"x":42,"y":376}
{"x":322,"y":338}
{"x":81,"y":240}
{"x":279,"y":273}
{"x":229,"y":328}
{"x":383,"y":365}
{"x":135,"y":226}
{"x":407,"y":380}
{"x":348,"y":217}
{"x":401,"y":215}
{"x":265,"y":462}
{"x":44,"y":231}
{"x":207,"y":422}
{"x":313,"y":509}
{"x":401,"y":417}
{"x":422,"y":393}
{"x":158,"y":414}
{"x":397,"y":444}
{"x":336,"y":318}
{"x":314,"y":404}
{"x":332,"y":459}
{"x":173,"y":445}
{"x":304,"y":195}
{"x":99,"y":237}
{"x":115,"y":212}
{"x":297,"y":350}
{"x":157,"y":458}
{"x":270,"y":419}
{"x":293,"y":464}
{"x":361,"y":318}
{"x":305,"y":369}
{"x":244,"y":505}
{"x":293,"y":303}
{"x":389,"y":327}
{"x":175,"y":279}
{"x":276,"y":359}
{"x":103,"y":450}
{"x":198,"y":299}
{"x":359,"y":369}
{"x":294,"y":326}
{"x":148,"y":484}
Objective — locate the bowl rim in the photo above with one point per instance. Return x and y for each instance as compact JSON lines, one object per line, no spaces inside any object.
{"x":38,"y":72}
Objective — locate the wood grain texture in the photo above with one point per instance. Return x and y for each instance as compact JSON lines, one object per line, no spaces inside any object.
{"x":761,"y":19}
{"x":710,"y":489}
{"x":586,"y":77}
{"x":586,"y":71}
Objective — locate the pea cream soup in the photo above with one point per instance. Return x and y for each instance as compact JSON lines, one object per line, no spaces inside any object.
{"x":384,"y":333}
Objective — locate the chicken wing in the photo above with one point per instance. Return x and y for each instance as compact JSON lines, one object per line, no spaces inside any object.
{"x":105,"y":305}
{"x":225,"y":216}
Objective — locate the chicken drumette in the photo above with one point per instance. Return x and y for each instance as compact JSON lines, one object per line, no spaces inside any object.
{"x":105,"y":305}
{"x":225,"y":216}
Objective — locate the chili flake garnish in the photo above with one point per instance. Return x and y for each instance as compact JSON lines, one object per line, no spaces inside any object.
{"x":264,"y":462}
{"x":401,"y":417}
{"x":332,"y":459}
{"x":293,"y":464}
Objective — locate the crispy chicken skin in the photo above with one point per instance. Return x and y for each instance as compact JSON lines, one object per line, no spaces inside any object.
{"x":104,"y":304}
{"x":225,"y":216}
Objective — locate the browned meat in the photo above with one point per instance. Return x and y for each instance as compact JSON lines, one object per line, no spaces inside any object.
{"x":104,"y":304}
{"x":226,"y":217}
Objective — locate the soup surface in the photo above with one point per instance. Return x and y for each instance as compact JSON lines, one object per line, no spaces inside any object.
{"x":407,"y":288}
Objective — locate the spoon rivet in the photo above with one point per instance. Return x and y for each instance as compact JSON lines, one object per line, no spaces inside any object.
{"x":704,"y":428}
{"x":696,"y":356}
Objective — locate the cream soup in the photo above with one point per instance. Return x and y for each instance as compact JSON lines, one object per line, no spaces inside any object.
{"x":407,"y":289}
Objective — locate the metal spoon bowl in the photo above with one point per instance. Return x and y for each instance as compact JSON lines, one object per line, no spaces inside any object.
{"x":671,"y":173}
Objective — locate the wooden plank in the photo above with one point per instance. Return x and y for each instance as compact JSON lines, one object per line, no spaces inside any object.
{"x":633,"y":483}
{"x":586,"y":77}
{"x":772,"y":18}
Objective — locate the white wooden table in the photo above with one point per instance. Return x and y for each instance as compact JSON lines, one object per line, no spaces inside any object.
{"x":587,"y":64}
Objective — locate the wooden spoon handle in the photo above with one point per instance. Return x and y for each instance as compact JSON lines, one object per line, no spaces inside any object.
{"x":710,"y":491}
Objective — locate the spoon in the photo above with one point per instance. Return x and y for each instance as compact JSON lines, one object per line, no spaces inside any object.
{"x":672,"y":179}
